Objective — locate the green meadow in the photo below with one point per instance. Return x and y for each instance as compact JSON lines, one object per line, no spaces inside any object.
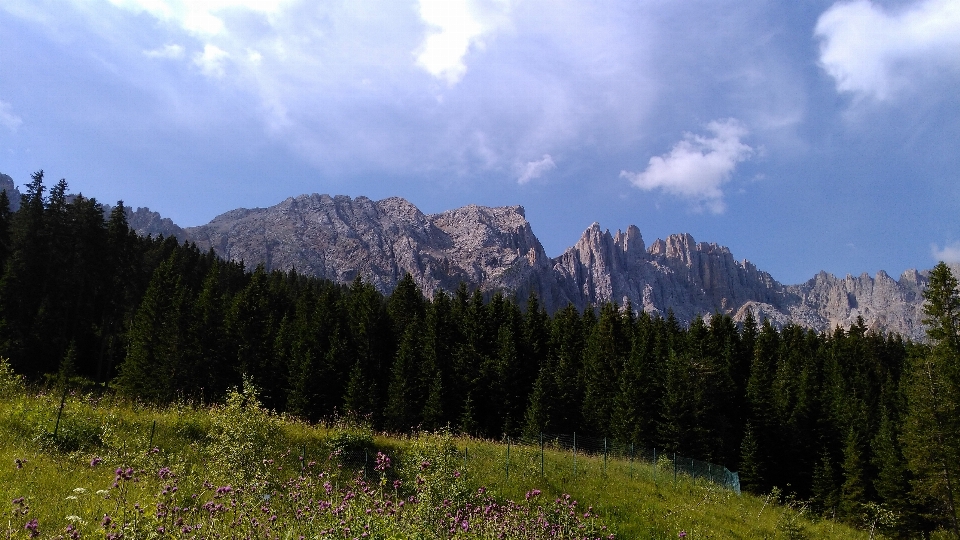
{"x":103,"y":467}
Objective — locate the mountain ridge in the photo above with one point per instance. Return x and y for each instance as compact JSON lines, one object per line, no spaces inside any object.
{"x":495,"y":249}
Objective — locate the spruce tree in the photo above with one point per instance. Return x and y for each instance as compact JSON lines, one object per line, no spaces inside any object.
{"x":853,"y":491}
{"x":931,"y":437}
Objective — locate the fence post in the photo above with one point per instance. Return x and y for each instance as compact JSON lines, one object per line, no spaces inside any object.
{"x":541,"y":454}
{"x":574,"y":453}
{"x":631,"y":460}
{"x":152,"y":431}
{"x":466,"y":451}
{"x":604,"y":455}
{"x":63,"y":400}
{"x":508,"y":459}
{"x":674,"y":467}
{"x":655,"y":465}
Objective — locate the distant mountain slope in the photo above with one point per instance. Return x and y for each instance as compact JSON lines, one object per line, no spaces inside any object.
{"x":494,"y":249}
{"x":338,"y":238}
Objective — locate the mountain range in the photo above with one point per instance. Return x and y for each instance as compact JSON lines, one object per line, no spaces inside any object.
{"x":495,"y":249}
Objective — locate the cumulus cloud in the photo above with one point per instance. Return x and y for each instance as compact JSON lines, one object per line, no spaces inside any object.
{"x":7,"y":118}
{"x":171,"y":51}
{"x":875,"y":52}
{"x":211,"y":60}
{"x":535,"y":169}
{"x":455,"y":26}
{"x":950,"y":252}
{"x":697,"y":166}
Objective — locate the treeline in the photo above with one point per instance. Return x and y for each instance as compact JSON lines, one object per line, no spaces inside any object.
{"x":865,"y":426}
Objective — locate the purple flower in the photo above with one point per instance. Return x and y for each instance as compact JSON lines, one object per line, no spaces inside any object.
{"x":383,"y":462}
{"x":32,"y":527}
{"x":19,"y":463}
{"x":683,"y":534}
{"x":95,"y":461}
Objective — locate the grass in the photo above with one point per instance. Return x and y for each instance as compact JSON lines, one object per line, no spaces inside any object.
{"x":109,"y":456}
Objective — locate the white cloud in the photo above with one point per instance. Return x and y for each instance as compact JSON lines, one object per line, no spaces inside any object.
{"x":874,"y":52}
{"x":535,"y":169}
{"x":211,"y":60}
{"x":198,"y":17}
{"x":7,"y":118}
{"x":456,"y":26}
{"x":697,"y":166}
{"x":950,"y":252}
{"x":171,"y":51}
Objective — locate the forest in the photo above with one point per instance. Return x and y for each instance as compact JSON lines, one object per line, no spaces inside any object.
{"x":853,"y":421}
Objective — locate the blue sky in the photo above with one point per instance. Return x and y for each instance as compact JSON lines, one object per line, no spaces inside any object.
{"x":803,"y":135}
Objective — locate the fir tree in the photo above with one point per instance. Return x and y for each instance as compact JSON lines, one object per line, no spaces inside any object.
{"x":853,"y":491}
{"x":931,"y":436}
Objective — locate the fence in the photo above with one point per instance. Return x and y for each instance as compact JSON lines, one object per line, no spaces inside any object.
{"x":671,"y":464}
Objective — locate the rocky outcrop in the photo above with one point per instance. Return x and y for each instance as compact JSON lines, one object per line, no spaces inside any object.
{"x":338,"y":238}
{"x":13,"y":194}
{"x":149,"y":223}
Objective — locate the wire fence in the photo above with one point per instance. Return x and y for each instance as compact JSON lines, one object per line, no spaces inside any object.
{"x":600,"y":452}
{"x":572,"y":456}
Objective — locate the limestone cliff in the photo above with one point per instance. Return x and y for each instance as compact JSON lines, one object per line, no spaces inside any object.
{"x":338,"y":238}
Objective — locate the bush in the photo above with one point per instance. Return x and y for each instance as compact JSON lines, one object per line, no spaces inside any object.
{"x":243,"y":433}
{"x":11,"y":384}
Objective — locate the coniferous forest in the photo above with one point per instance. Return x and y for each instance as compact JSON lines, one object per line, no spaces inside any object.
{"x":854,"y":421}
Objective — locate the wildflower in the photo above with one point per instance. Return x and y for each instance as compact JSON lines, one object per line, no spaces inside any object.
{"x":79,"y":490}
{"x":683,"y":534}
{"x":95,"y":461}
{"x":105,"y":522}
{"x":164,"y":473}
{"x":19,"y":463}
{"x":383,"y":462}
{"x":32,"y":526}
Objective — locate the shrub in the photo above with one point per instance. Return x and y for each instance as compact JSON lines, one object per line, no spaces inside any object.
{"x":242,"y":433}
{"x":11,"y":384}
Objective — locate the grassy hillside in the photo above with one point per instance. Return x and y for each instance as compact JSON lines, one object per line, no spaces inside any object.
{"x":117,"y":469}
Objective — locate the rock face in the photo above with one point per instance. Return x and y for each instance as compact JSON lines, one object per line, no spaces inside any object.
{"x":13,"y":194}
{"x":147,"y":222}
{"x":338,"y":238}
{"x":494,"y":249}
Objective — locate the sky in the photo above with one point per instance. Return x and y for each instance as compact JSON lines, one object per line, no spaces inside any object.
{"x":805,"y":136}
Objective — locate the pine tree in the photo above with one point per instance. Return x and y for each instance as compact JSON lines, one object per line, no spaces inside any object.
{"x":825,"y":494}
{"x":931,"y":437}
{"x":158,"y":361}
{"x":752,"y":475}
{"x":540,"y":409}
{"x":602,"y":361}
{"x":405,"y":396}
{"x":853,"y":491}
